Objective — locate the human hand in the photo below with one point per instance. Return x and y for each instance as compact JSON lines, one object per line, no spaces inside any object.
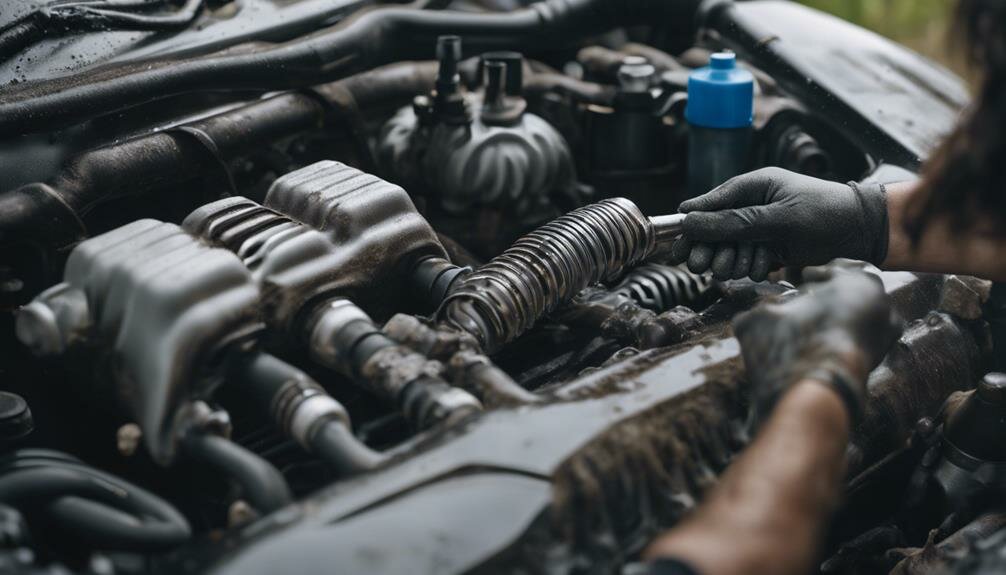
{"x":770,"y":217}
{"x":834,"y":332}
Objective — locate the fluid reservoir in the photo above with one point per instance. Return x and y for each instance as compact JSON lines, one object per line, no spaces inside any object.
{"x":720,"y":113}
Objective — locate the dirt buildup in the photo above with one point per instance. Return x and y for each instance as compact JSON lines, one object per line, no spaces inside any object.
{"x":644,"y":474}
{"x":598,"y":382}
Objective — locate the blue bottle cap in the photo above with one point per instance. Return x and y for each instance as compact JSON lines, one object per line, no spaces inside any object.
{"x":721,"y":95}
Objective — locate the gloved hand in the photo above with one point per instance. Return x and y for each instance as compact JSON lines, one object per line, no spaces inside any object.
{"x":770,"y":217}
{"x":834,"y":332}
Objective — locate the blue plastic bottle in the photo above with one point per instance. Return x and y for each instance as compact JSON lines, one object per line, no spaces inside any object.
{"x":720,"y":113}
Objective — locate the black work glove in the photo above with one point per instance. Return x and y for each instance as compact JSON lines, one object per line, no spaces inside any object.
{"x":770,"y":217}
{"x":834,"y":332}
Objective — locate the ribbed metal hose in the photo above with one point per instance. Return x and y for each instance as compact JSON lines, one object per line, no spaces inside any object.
{"x":659,"y":288}
{"x":547,"y":267}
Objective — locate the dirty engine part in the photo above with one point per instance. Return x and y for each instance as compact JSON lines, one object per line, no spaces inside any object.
{"x":303,"y":285}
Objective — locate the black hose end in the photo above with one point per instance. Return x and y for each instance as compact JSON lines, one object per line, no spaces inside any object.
{"x":434,"y":278}
{"x":262,"y":484}
{"x":514,"y":63}
{"x":448,"y":54}
{"x":334,"y":442}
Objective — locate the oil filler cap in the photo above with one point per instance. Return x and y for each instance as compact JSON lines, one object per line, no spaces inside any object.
{"x":15,"y":418}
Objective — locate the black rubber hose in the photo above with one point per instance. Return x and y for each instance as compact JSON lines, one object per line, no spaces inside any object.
{"x":496,"y":387}
{"x":364,"y":41}
{"x":188,"y":151}
{"x":99,"y":523}
{"x":660,"y":59}
{"x":273,"y":384}
{"x":262,"y":484}
{"x":182,"y":152}
{"x":76,"y":17}
{"x":601,"y":62}
{"x":105,"y":511}
{"x":335,"y":443}
{"x":299,"y":406}
{"x":579,"y":90}
{"x":384,"y":85}
{"x":44,"y":219}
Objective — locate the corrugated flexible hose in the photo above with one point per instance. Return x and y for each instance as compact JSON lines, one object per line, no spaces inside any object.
{"x":547,"y":267}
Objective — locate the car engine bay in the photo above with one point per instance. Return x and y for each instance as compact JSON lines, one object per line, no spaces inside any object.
{"x":345,"y":286}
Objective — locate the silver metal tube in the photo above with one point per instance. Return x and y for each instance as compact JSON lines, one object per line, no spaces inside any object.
{"x":668,"y":228}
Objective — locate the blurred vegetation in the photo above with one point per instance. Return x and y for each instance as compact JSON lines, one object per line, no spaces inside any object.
{"x":919,"y":24}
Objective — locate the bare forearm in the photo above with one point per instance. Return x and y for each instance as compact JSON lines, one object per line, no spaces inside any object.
{"x":971,"y":251}
{"x":771,"y":505}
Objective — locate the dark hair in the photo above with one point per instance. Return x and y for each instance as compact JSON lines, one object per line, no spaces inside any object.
{"x":966,"y":175}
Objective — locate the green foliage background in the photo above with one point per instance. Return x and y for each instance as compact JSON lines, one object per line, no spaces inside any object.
{"x":920,"y":24}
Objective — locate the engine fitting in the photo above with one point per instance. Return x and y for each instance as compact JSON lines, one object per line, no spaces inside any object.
{"x":345,"y":339}
{"x":481,"y":149}
{"x":304,"y":275}
{"x":162,"y":307}
{"x":377,"y":232}
{"x":963,"y":467}
{"x":434,"y":278}
{"x":505,"y":297}
{"x":466,"y":365}
{"x":619,"y":317}
{"x":292,"y":263}
{"x":304,"y":411}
